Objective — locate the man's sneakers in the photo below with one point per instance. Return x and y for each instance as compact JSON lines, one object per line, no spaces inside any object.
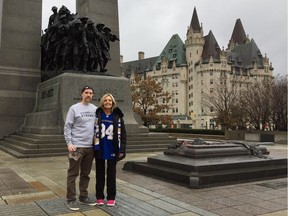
{"x":87,"y":201}
{"x":110,"y":202}
{"x":73,"y":205}
{"x":100,"y":202}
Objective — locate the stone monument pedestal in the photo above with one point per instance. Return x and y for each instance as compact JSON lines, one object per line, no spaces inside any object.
{"x":41,"y":134}
{"x":56,"y":95}
{"x":212,"y":164}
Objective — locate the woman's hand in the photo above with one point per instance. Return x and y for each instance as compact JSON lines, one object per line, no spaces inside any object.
{"x":121,"y":156}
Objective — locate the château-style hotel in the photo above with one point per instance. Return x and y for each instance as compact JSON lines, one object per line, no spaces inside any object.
{"x":191,"y":70}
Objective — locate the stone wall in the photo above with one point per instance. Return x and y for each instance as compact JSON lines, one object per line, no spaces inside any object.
{"x":257,"y":136}
{"x":20,"y":32}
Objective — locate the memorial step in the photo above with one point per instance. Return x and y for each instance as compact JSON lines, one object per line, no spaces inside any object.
{"x":25,"y":145}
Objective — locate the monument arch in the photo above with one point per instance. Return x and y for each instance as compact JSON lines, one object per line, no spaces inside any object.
{"x":20,"y":56}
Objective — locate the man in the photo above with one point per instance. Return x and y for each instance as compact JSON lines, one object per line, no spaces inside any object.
{"x":94,"y":50}
{"x":77,"y":43}
{"x":53,"y":16}
{"x":59,"y":42}
{"x":108,"y":36}
{"x":102,"y":47}
{"x":78,"y":133}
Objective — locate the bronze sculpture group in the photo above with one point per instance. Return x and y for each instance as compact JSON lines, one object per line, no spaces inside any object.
{"x":74,"y":43}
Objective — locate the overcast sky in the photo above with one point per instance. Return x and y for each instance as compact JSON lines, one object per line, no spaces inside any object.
{"x":148,"y":25}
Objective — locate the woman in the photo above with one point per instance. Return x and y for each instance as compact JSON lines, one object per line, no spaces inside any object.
{"x":110,"y":146}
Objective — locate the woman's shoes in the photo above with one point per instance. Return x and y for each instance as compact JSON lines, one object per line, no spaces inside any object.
{"x":100,"y":202}
{"x":110,"y":202}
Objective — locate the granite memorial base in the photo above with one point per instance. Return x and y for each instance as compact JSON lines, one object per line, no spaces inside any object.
{"x":56,"y":95}
{"x":211,"y":164}
{"x":41,"y":134}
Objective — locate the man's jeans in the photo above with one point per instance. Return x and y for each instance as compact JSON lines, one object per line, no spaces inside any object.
{"x":84,"y":165}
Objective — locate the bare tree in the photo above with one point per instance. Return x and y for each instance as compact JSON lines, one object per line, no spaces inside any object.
{"x":224,"y":99}
{"x":260,"y":106}
{"x":279,"y":103}
{"x":256,"y":103}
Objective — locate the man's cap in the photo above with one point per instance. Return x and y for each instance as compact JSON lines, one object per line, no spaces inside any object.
{"x":85,"y":88}
{"x":100,"y":24}
{"x":77,"y":21}
{"x":107,"y":29}
{"x":54,"y":8}
{"x":89,"y":22}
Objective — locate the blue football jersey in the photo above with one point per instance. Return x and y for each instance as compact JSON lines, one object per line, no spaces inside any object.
{"x":107,"y":137}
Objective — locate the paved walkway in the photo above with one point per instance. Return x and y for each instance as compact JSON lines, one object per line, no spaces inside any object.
{"x":36,"y":186}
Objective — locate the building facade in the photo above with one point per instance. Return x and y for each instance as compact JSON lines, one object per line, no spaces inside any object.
{"x":193,"y":69}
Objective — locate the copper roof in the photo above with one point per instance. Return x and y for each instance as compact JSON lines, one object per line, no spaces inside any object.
{"x":195,"y":25}
{"x":211,"y":48}
{"x":238,"y":35}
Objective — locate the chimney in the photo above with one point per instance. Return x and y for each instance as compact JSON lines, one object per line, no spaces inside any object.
{"x":140,"y":55}
{"x":121,"y":59}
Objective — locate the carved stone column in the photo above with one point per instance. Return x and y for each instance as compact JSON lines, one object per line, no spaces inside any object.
{"x":20,"y":31}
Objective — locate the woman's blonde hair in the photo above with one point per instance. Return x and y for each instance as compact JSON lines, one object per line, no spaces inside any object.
{"x":101,"y":103}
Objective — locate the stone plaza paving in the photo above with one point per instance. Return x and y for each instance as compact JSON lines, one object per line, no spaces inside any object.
{"x":36,"y":186}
